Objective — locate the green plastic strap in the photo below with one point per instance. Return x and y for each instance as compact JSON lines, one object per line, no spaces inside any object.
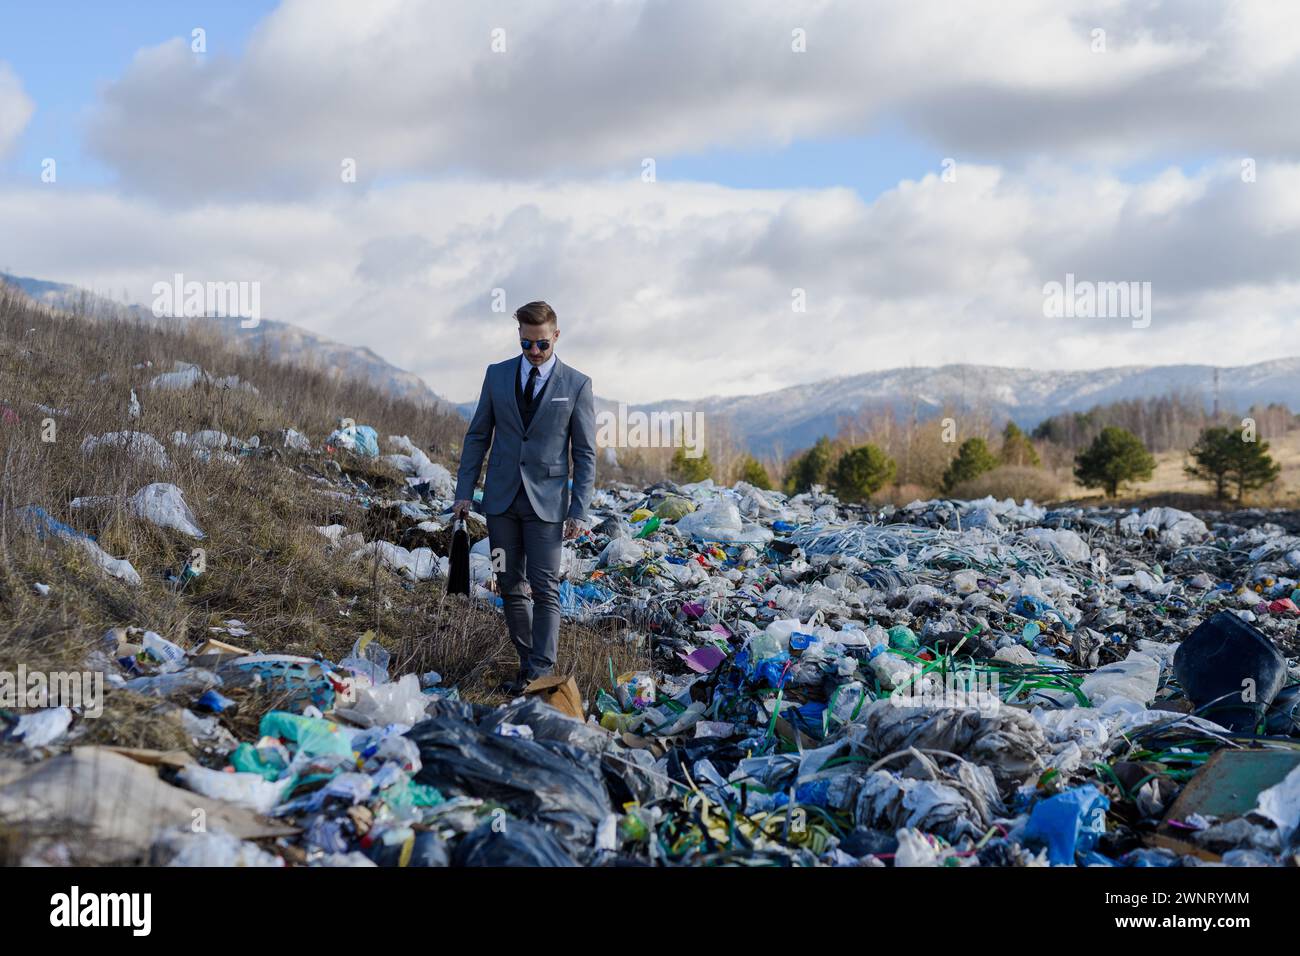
{"x":776,"y":712}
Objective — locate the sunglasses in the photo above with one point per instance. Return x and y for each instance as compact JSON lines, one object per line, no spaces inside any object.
{"x":542,"y":344}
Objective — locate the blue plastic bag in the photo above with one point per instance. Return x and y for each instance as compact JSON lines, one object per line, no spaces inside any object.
{"x":1069,"y":823}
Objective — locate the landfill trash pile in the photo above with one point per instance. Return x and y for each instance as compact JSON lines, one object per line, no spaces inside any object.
{"x":983,"y":683}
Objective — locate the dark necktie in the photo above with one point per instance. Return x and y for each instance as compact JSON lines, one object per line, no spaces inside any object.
{"x":532,"y":385}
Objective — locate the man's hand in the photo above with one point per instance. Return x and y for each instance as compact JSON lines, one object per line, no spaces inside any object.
{"x":573,"y":528}
{"x":461,"y":508}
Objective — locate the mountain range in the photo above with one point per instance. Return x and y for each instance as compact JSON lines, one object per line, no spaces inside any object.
{"x":792,"y":418}
{"x":788,"y":419}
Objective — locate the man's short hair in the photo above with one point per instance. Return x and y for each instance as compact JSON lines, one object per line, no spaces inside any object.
{"x":535,"y":313}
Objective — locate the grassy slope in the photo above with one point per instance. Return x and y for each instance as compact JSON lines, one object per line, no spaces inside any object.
{"x":267,"y":566}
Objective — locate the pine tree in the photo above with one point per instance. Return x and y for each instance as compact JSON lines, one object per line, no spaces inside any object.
{"x":973,"y":459}
{"x":1251,"y":466}
{"x":753,"y":472}
{"x":1017,"y":449}
{"x":1212,"y":458}
{"x":1114,"y":457}
{"x":861,"y":472}
{"x":687,"y":470}
{"x":811,"y":468}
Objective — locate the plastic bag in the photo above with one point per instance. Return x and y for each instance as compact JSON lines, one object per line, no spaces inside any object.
{"x":621,"y":551}
{"x":1281,"y":804}
{"x":519,"y":843}
{"x":313,"y":736}
{"x":182,"y":847}
{"x":397,"y":702}
{"x":1009,"y":742}
{"x":548,"y":724}
{"x":1065,"y":543}
{"x":369,"y":659}
{"x":242,"y":789}
{"x":1137,"y":677}
{"x":951,"y":805}
{"x":43,"y":726}
{"x":552,"y":783}
{"x":1068,"y":823}
{"x":164,"y":505}
{"x":360,"y":439}
{"x":719,"y":520}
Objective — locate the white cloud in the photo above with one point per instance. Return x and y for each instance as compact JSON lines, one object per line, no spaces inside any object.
{"x":520,"y":171}
{"x":682,"y":290}
{"x":16,"y":108}
{"x":593,"y":86}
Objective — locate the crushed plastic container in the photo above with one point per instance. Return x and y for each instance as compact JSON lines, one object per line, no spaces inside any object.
{"x":1230,"y":671}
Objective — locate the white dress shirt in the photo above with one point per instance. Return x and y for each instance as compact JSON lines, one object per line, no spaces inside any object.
{"x":543,"y":373}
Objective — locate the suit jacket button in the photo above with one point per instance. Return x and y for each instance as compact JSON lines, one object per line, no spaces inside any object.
{"x":525,"y":438}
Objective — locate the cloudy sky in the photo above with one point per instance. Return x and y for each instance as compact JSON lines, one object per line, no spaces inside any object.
{"x":676,"y":177}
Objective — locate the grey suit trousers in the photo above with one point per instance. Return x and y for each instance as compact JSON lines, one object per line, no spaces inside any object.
{"x":532,"y":549}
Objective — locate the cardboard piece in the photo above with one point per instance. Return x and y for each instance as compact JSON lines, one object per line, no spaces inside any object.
{"x":117,"y":805}
{"x":214,"y":653}
{"x":155,"y":758}
{"x":560,"y":692}
{"x":787,"y":732}
{"x":658,"y":746}
{"x":1227,"y":786}
{"x":1229,"y":783}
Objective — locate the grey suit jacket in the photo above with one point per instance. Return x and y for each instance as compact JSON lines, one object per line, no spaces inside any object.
{"x":564,"y":423}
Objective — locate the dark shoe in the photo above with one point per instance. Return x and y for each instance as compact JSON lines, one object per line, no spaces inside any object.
{"x":511,"y":688}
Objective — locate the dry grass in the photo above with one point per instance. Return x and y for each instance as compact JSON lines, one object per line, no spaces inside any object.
{"x":266,"y":564}
{"x":134,"y":720}
{"x":1169,"y":481}
{"x":468,"y":645}
{"x":900,"y":495}
{"x":1010,"y":481}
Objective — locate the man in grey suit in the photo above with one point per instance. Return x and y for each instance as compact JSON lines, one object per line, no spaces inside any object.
{"x":534,"y":411}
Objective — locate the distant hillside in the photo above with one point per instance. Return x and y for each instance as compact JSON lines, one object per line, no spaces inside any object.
{"x":793,"y":418}
{"x":282,"y":341}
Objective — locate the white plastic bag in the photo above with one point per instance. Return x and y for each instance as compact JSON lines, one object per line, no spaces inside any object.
{"x":1137,"y":677}
{"x":396,"y":702}
{"x":247,"y":790}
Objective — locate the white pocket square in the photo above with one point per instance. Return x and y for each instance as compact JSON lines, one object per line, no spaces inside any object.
{"x":559,"y":399}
